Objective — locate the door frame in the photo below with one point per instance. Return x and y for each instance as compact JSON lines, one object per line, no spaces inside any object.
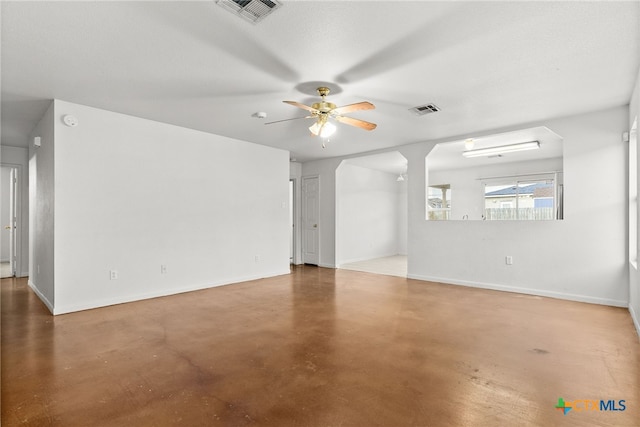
{"x":304,"y":219}
{"x":293,"y":212}
{"x":16,"y":244}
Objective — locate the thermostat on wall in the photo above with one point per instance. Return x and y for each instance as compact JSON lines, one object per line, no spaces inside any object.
{"x":70,"y":120}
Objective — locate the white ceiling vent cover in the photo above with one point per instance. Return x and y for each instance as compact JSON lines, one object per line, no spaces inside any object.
{"x":251,"y":10}
{"x":421,"y":110}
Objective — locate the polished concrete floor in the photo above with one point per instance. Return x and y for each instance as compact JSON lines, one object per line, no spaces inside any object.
{"x":318,"y":347}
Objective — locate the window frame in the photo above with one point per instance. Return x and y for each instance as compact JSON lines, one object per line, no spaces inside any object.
{"x":520,"y":181}
{"x":432,"y":213}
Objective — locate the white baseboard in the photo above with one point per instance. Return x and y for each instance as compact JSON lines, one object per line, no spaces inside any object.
{"x":163,"y":293}
{"x":636,"y":321}
{"x":41,"y":296}
{"x":326,"y":265}
{"x":349,"y":261}
{"x":527,"y":291}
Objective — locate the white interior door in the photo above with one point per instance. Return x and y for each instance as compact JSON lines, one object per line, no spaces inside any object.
{"x":292,"y":244}
{"x":310,"y":220}
{"x":8,"y":206}
{"x":13,"y":180}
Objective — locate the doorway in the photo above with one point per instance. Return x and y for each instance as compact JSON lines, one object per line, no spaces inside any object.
{"x":9,"y":220}
{"x":372,"y":214}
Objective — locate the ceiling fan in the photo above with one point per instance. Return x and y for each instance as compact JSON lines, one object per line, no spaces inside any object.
{"x":323,"y":110}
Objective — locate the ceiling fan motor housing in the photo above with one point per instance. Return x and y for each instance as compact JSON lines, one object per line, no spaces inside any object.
{"x":323,"y":107}
{"x":323,"y":91}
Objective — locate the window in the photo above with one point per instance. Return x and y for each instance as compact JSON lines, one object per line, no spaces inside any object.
{"x":534,"y":197}
{"x":439,"y":202}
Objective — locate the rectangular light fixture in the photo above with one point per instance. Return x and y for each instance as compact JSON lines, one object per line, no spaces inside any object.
{"x":502,"y":149}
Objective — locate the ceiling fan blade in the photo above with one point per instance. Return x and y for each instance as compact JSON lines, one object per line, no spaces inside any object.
{"x":304,"y":107}
{"x":356,"y":122}
{"x":286,"y":120}
{"x":353,"y":107}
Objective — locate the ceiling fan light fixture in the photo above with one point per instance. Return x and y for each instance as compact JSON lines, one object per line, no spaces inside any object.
{"x":323,"y":130}
{"x":324,"y":110}
{"x":502,"y":149}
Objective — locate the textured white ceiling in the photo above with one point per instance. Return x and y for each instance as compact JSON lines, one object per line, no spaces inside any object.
{"x":487,"y":65}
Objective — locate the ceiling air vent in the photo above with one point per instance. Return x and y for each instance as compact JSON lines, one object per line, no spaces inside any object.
{"x":251,"y":10}
{"x":421,"y":110}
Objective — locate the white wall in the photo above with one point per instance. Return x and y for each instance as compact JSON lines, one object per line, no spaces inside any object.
{"x":368,"y":214}
{"x":18,"y":157}
{"x":42,"y":210}
{"x":582,"y":257}
{"x":133,"y":194}
{"x":634,"y":277}
{"x":403,"y":216}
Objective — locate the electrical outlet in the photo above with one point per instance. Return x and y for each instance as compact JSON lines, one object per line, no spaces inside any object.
{"x":113,"y":274}
{"x":508,"y":260}
{"x":163,"y":269}
{"x":257,"y":258}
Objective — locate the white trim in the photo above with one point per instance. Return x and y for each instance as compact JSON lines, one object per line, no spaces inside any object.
{"x":635,"y":319}
{"x":527,"y":291}
{"x":41,"y":296}
{"x":367,"y":258}
{"x":323,"y":265}
{"x":148,"y":295}
{"x":296,"y":226}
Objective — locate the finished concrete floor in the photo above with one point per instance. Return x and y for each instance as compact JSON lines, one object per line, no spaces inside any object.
{"x":318,"y":347}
